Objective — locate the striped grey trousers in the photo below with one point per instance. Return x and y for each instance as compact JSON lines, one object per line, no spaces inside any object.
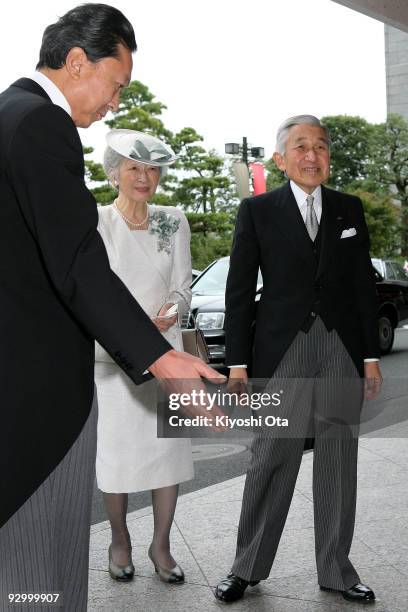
{"x":333,"y":388}
{"x":44,"y":547}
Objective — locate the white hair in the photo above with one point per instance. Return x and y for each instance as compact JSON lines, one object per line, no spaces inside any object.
{"x":284,"y":128}
{"x":112,"y":162}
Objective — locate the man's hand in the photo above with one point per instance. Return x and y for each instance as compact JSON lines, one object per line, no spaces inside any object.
{"x":181,"y":373}
{"x":373,"y":379}
{"x":238,"y":381}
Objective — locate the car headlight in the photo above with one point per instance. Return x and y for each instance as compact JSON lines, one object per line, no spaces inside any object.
{"x":210,"y":320}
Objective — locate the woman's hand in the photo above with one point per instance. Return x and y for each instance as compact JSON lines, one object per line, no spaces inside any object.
{"x":164,"y":324}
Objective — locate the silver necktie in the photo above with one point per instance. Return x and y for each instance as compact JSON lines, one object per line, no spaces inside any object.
{"x":312,"y":224}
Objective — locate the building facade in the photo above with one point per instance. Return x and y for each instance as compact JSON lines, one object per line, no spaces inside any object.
{"x":396,"y":67}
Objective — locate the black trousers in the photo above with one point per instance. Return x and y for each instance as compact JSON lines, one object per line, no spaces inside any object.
{"x":44,"y":547}
{"x":326,"y":389}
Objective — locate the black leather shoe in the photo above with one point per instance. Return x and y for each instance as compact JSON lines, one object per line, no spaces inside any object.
{"x":232,"y":588}
{"x":358,"y":592}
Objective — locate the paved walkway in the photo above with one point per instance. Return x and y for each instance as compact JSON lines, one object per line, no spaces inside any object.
{"x":203,"y":542}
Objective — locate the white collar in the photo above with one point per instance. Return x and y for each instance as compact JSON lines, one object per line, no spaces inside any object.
{"x":55,"y":94}
{"x":300,"y":195}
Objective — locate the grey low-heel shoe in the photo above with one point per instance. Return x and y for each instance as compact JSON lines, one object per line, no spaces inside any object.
{"x":123,"y":573}
{"x":173,"y":576}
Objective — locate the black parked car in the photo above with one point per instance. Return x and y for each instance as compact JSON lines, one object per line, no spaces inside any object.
{"x":208,"y":307}
{"x":195,"y":273}
{"x":390,"y":269}
{"x":392,"y":288}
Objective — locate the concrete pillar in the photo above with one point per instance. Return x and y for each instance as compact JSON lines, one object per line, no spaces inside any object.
{"x":396,"y":68}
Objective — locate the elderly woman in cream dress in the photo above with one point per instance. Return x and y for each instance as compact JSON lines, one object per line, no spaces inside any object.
{"x":149,"y":249}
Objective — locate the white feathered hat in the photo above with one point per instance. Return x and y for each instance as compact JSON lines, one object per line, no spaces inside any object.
{"x":140,"y":147}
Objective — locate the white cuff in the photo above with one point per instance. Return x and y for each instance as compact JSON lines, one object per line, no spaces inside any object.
{"x":370,"y":359}
{"x":237,"y":366}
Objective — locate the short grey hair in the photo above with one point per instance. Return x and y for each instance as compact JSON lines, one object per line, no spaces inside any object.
{"x":111,"y":164}
{"x":284,"y":128}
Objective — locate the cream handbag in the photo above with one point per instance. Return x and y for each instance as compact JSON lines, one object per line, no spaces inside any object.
{"x":194,"y":341}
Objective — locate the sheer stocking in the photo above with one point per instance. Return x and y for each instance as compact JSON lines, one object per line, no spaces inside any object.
{"x":116,"y":506}
{"x":164,"y":504}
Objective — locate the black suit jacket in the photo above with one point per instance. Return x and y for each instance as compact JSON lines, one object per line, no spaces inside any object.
{"x":57,"y":293}
{"x":270,"y":233}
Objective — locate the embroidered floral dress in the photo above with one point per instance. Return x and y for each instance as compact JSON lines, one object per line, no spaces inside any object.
{"x":155,"y":265}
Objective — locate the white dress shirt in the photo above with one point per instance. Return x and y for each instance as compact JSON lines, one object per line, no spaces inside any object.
{"x":301,"y":196}
{"x":301,"y":200}
{"x":55,"y":94}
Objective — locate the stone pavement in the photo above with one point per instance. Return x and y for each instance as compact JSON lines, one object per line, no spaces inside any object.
{"x":204,"y":535}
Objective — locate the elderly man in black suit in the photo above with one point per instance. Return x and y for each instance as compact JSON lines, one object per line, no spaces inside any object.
{"x":316,"y":320}
{"x":58,"y":294}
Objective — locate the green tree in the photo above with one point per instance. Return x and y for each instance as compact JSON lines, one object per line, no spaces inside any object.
{"x":383,"y":222}
{"x":94,"y":174}
{"x":373,"y":158}
{"x":388,"y":173}
{"x":203,"y":186}
{"x":206,"y":193}
{"x":204,"y":249}
{"x":351,"y":150}
{"x":211,"y":236}
{"x":139,"y":110}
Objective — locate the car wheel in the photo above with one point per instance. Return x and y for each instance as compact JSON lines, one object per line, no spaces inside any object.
{"x":386,"y":332}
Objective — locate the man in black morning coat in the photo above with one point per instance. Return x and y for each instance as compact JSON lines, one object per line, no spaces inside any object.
{"x":316,"y":322}
{"x":58,"y":294}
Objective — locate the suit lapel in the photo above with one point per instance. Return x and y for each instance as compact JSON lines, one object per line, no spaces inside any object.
{"x":328,"y":228}
{"x":291,"y":224}
{"x":32,"y":87}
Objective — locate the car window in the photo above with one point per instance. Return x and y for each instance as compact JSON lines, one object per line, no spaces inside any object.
{"x":213,"y":282}
{"x":377,"y":265}
{"x":389,"y":271}
{"x":399,"y":272}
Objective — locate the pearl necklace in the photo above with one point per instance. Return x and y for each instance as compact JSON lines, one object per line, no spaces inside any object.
{"x":128,"y":220}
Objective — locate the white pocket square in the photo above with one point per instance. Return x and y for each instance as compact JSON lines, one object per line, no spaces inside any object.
{"x":348,"y":233}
